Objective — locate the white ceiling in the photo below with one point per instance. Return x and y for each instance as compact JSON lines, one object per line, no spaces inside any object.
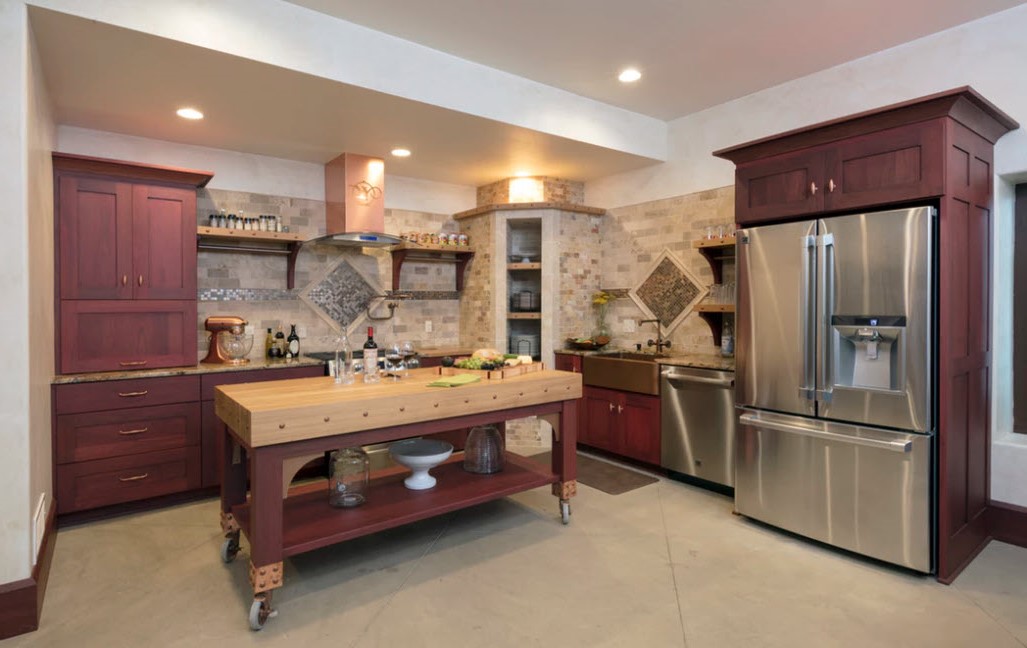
{"x":694,"y":54}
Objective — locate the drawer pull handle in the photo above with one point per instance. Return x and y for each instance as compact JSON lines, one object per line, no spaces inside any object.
{"x":133,"y":477}
{"x":131,"y":432}
{"x":137,"y":363}
{"x":132,"y":394}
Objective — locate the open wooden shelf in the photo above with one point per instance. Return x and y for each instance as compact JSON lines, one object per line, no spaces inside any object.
{"x":719,"y":242}
{"x":716,"y":251}
{"x":403,"y":252}
{"x":524,"y":316}
{"x":524,"y":266}
{"x":284,"y":243}
{"x":310,"y":522}
{"x":715,"y":308}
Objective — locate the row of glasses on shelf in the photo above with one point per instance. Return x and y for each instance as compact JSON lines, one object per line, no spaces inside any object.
{"x":399,"y":359}
{"x":721,"y":293}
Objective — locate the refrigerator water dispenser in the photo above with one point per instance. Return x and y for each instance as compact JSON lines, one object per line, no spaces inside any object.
{"x":869,"y":352}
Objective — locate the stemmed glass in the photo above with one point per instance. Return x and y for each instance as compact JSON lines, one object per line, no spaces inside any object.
{"x":406,"y":349}
{"x":393,"y":360}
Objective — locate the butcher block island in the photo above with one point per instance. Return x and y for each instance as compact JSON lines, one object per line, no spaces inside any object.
{"x":272,"y":430}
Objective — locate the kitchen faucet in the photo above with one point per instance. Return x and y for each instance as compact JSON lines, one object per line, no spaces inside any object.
{"x":659,"y":342}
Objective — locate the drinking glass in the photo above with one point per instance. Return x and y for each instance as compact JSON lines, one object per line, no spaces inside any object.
{"x":406,"y":349}
{"x":393,"y":360}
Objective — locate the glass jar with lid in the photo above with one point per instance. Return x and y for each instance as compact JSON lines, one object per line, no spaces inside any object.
{"x":350,"y":476}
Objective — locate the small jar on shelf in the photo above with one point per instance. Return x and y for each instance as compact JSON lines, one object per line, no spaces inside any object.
{"x":350,"y":477}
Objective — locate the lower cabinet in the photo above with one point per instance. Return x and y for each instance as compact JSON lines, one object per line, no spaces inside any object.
{"x":117,"y":441}
{"x":620,"y":422}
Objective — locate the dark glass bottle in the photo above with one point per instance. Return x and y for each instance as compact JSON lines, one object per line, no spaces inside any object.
{"x":371,"y":358}
{"x":269,"y":344}
{"x":294,"y":343}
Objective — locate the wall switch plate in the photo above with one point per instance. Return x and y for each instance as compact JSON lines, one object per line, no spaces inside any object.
{"x":427,"y":326}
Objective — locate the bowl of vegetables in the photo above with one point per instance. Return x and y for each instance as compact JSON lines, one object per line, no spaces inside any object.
{"x":589,"y":343}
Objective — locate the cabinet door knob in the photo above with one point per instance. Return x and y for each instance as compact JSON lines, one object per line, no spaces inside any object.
{"x":611,"y":407}
{"x":620,"y":408}
{"x":830,"y":186}
{"x":812,"y":188}
{"x":124,"y":280}
{"x":140,"y":280}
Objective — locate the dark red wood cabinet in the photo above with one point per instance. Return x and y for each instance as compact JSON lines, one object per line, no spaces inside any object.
{"x":125,"y":264}
{"x":623,"y":423}
{"x":572,"y":362}
{"x":938,"y":149}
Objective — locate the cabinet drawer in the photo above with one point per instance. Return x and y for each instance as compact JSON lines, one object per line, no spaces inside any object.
{"x":210,"y":381}
{"x":101,"y":435}
{"x":567,"y":362}
{"x":90,"y":484}
{"x":119,"y":394}
{"x":118,"y":335}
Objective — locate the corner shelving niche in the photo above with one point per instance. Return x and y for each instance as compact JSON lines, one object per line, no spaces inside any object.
{"x":716,"y":251}
{"x":524,"y":286}
{"x":460,"y":255}
{"x":253,"y":242}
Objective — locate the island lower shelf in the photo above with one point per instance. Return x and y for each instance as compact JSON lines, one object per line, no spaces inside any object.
{"x":309,"y":522}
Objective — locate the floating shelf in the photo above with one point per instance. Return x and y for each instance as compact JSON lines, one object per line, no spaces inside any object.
{"x":524,"y":316}
{"x":716,"y":251}
{"x":458,"y":254}
{"x":524,"y":266}
{"x":714,"y":315}
{"x":284,"y":243}
{"x":715,"y":308}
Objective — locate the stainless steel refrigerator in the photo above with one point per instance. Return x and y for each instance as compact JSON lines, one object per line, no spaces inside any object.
{"x":835,"y":364}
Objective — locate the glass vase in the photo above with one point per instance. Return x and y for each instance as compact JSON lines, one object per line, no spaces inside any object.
{"x":601,"y":333}
{"x":349,"y":478}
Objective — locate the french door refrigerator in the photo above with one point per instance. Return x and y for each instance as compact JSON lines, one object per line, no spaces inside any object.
{"x":835,"y":364}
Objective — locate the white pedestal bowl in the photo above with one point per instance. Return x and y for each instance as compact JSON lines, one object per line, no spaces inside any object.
{"x":420,"y":456}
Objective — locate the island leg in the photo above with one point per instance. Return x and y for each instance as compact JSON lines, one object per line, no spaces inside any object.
{"x":565,"y":463}
{"x":265,"y":532}
{"x":233,"y":492}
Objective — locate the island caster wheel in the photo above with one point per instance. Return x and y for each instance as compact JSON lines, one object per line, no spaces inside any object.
{"x":229,"y":549}
{"x":565,"y":511}
{"x":260,"y":611}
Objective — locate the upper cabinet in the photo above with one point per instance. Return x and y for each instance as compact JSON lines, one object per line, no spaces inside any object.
{"x":120,"y":240}
{"x":125,"y":264}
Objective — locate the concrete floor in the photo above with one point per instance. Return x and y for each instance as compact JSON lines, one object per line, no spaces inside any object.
{"x":664,"y":565}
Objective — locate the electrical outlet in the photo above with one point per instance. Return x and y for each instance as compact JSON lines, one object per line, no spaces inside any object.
{"x":427,"y":326}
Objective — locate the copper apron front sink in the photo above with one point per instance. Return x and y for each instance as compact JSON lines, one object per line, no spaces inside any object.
{"x":624,"y":370}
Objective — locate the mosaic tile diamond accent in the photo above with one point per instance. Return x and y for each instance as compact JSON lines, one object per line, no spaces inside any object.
{"x":669,"y":291}
{"x":343,"y":294}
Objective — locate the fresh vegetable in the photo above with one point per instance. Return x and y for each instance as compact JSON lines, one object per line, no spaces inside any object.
{"x":508,"y":356}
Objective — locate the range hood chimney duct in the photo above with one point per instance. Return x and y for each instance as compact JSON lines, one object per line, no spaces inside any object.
{"x":355,"y":202}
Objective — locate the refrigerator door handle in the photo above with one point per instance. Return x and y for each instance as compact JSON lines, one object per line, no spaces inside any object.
{"x":807,"y":316}
{"x":826,"y":303}
{"x":891,"y":446}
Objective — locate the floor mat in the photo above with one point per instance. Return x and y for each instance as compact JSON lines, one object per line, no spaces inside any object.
{"x":604,"y":476}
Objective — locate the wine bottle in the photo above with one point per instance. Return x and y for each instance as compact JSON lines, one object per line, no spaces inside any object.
{"x":294,"y":343}
{"x":269,"y":344}
{"x":371,"y":358}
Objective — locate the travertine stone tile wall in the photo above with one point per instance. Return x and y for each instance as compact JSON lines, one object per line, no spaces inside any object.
{"x":634,"y":236}
{"x":555,"y":190}
{"x":477,"y":320}
{"x":260,"y":279}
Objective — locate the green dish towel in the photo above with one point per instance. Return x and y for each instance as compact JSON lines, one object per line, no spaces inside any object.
{"x":455,"y":381}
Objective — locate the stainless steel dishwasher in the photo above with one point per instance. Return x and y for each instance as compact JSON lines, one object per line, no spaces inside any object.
{"x":697,"y":423}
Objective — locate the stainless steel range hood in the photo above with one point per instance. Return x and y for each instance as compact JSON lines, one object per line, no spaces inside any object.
{"x":355,"y":202}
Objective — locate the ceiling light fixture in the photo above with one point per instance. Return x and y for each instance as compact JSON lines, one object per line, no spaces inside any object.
{"x":401,"y":152}
{"x":189,"y":113}
{"x":629,"y":75}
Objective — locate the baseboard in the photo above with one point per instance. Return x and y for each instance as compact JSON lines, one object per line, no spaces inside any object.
{"x":21,"y":602}
{"x":1008,"y":523}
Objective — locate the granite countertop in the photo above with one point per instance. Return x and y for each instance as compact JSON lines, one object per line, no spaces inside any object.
{"x":698,"y":360}
{"x":198,"y":369}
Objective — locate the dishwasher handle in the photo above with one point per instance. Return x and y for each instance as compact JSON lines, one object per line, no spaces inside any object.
{"x":893,"y":446}
{"x":682,"y":380}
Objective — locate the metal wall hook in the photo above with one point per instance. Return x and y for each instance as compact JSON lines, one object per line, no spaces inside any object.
{"x":376,"y":318}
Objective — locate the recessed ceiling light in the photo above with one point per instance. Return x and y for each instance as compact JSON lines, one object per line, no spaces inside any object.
{"x":401,"y":152}
{"x":629,"y":75}
{"x":189,"y":113}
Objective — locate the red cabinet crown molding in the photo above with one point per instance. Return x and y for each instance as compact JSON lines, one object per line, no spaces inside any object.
{"x":70,"y":163}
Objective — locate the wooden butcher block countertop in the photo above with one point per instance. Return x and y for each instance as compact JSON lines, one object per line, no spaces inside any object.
{"x":305,"y":408}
